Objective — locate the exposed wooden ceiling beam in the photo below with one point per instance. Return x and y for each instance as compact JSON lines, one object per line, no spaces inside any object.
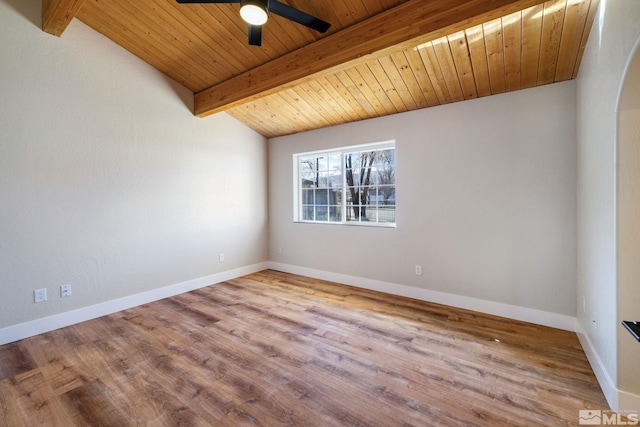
{"x":412,"y":22}
{"x":57,"y":14}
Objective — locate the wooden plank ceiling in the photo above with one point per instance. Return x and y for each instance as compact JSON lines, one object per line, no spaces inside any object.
{"x":380,"y":57}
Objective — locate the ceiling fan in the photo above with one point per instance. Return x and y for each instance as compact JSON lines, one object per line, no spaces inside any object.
{"x":256,"y":12}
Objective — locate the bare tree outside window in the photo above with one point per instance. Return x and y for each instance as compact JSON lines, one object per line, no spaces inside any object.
{"x":358,"y":171}
{"x":370,"y":179}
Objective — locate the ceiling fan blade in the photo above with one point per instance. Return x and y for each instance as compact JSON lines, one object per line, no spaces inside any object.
{"x":208,"y":1}
{"x":255,"y":35}
{"x":298,"y":16}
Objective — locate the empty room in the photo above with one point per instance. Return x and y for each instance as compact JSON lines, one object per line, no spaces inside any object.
{"x":319,"y":213}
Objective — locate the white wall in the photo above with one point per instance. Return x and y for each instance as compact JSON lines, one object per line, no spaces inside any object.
{"x":486,"y":201}
{"x":107,"y":180}
{"x":608,"y":51}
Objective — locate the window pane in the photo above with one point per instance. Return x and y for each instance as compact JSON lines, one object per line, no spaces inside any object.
{"x":374,"y":176}
{"x":387,"y":194}
{"x":308,"y":197}
{"x":357,"y":213}
{"x":322,"y":213}
{"x":335,"y":180}
{"x":321,"y":180}
{"x":354,"y":195}
{"x":335,"y":196}
{"x":385,"y":157}
{"x":307,"y":174}
{"x":387,"y":177}
{"x":322,"y":163}
{"x":307,"y":213}
{"x":335,"y":162}
{"x":306,"y":162}
{"x":352,"y":177}
{"x":322,"y":197}
{"x":387,"y":214}
{"x":373,"y":197}
{"x":335,"y":213}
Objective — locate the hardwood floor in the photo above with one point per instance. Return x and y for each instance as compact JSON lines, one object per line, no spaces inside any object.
{"x":276,"y":349}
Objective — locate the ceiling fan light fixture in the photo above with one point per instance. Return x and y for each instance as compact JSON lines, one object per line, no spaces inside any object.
{"x":254,"y":12}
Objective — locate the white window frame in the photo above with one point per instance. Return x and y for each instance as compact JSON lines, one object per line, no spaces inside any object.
{"x":297,"y":190}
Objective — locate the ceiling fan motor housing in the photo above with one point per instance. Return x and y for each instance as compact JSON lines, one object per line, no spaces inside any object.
{"x":254,"y":12}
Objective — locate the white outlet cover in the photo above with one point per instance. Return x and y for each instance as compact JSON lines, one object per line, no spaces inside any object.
{"x":40,"y":295}
{"x":65,"y":291}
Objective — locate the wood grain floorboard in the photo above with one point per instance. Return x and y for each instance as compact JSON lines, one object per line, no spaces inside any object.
{"x":275,"y":349}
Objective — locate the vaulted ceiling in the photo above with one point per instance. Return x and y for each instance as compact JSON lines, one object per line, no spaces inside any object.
{"x":379,"y":57}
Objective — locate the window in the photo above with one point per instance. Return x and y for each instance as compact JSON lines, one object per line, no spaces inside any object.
{"x":350,"y":185}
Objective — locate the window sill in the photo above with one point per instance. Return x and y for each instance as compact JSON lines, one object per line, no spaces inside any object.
{"x":350,"y":224}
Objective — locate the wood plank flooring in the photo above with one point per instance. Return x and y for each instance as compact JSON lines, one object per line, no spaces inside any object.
{"x":274,"y":349}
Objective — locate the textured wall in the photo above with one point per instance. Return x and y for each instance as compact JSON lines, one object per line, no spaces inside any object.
{"x":107,"y":181}
{"x":486,"y":201}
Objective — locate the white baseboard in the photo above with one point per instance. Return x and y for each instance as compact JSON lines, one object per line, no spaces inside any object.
{"x":619,"y":400}
{"x":57,"y":321}
{"x":605,"y":381}
{"x":524,"y":314}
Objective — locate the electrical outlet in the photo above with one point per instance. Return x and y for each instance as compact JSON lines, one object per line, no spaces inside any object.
{"x":418,"y":270}
{"x":40,"y":295}
{"x":65,"y":291}
{"x":221,"y":257}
